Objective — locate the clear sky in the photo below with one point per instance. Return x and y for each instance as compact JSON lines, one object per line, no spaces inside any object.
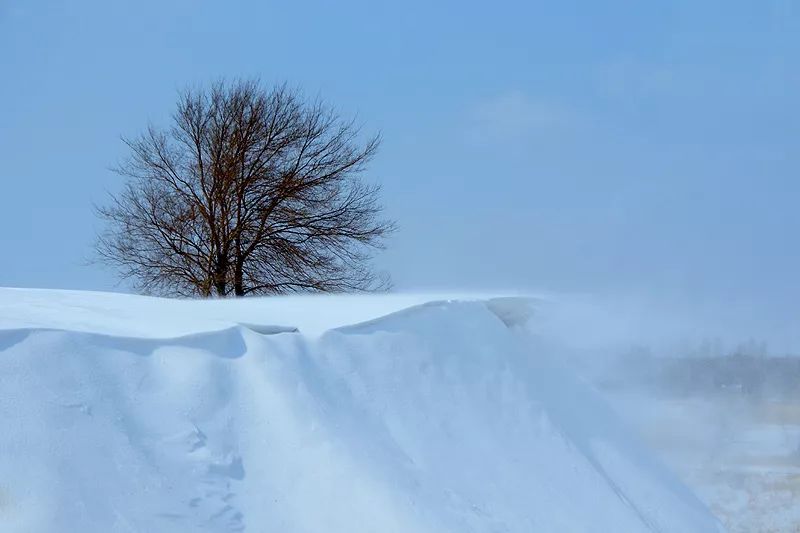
{"x":569,"y":146}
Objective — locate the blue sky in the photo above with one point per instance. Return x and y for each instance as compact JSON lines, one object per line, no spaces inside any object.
{"x":573,"y":146}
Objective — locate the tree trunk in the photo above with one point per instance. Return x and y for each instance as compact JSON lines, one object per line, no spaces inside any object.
{"x":238,"y":265}
{"x":220,"y":274}
{"x":238,"y":279}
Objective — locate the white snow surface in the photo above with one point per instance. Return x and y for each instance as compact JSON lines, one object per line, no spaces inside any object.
{"x":310,"y":414}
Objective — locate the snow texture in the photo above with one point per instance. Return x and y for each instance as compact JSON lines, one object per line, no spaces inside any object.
{"x":309,"y":414}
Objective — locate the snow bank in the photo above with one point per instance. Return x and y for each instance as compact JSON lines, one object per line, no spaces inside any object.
{"x":122,"y":413}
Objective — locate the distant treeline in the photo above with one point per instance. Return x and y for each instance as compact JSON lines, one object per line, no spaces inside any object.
{"x":740,"y":373}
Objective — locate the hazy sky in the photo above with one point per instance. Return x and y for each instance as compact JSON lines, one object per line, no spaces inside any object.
{"x":571,"y":146}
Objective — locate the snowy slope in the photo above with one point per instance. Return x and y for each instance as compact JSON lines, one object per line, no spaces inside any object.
{"x":122,"y":413}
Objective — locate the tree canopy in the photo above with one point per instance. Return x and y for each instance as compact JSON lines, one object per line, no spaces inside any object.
{"x":249,"y":191}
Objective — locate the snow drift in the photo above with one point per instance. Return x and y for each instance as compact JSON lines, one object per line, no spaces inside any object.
{"x":122,"y":413}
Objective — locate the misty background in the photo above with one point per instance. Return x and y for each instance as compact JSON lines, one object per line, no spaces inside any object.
{"x":645,"y":156}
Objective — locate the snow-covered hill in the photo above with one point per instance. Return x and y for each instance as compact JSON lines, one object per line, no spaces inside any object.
{"x":309,"y":414}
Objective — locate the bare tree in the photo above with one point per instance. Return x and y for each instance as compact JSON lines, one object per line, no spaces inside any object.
{"x":250,"y":191}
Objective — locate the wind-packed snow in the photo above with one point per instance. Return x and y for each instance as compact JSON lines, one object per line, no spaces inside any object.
{"x":309,"y":414}
{"x":154,"y":318}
